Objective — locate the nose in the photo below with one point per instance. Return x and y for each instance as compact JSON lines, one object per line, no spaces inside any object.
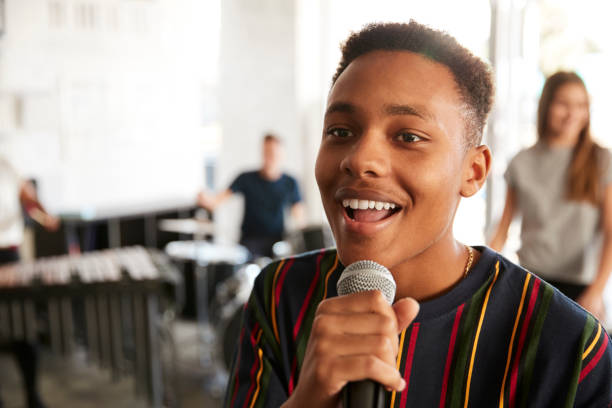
{"x":368,"y":156}
{"x":577,"y":112}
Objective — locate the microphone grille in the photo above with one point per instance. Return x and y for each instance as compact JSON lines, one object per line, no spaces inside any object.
{"x":366,"y":275}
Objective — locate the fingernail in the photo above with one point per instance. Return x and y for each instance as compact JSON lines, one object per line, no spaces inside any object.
{"x":402,"y":385}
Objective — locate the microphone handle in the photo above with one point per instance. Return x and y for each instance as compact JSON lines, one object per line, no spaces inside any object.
{"x":363,"y":394}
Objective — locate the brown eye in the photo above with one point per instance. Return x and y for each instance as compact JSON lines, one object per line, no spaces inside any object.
{"x":408,"y":137}
{"x":340,"y":133}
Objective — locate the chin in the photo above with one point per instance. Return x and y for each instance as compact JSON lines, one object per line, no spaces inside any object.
{"x":353,"y":252}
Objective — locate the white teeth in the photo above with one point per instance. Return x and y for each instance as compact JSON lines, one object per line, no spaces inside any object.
{"x":357,"y":204}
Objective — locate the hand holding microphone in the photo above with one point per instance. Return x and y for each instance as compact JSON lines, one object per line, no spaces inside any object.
{"x":354,"y":337}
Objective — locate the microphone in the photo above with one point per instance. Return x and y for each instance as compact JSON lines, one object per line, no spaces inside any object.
{"x":358,"y":277}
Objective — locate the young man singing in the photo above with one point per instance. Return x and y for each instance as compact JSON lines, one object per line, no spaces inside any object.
{"x":400,"y":147}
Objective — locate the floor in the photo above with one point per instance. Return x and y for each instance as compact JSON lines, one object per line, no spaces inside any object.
{"x":74,"y":382}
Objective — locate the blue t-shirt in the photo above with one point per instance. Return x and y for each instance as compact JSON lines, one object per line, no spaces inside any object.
{"x":264,"y":203}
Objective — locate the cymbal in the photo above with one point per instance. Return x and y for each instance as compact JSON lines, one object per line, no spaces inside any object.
{"x":187,"y":226}
{"x":205,"y":252}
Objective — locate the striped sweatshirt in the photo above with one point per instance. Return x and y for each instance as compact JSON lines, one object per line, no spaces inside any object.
{"x":502,"y":337}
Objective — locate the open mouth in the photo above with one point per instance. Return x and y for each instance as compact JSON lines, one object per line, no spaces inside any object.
{"x":368,"y":210}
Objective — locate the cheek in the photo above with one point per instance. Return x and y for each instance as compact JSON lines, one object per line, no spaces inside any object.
{"x":323,"y":169}
{"x":436,"y":189}
{"x":557,"y":116}
{"x":440,"y":176}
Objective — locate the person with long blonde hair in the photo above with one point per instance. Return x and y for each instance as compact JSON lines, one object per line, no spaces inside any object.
{"x":562,"y":188}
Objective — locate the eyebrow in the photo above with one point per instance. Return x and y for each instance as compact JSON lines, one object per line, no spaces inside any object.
{"x":340,"y":107}
{"x":399,"y":110}
{"x":392,"y":110}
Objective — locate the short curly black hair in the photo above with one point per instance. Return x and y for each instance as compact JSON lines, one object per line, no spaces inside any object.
{"x":472,"y":75}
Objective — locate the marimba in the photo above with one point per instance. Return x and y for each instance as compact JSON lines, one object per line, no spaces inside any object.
{"x":110,"y":302}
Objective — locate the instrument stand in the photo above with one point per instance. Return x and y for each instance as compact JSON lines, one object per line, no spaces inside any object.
{"x":207,"y":258}
{"x":215,"y":380}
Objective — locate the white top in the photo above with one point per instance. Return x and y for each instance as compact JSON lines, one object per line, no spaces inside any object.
{"x":560,"y":239}
{"x":11,"y":218}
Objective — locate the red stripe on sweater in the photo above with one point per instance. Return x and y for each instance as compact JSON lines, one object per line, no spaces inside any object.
{"x":519,"y":349}
{"x":253,"y":379}
{"x":298,"y":323}
{"x":252,"y":334}
{"x":587,"y":369}
{"x":313,"y":284}
{"x":449,"y":355}
{"x":281,"y":279}
{"x":408,"y":366}
{"x":292,"y":377}
{"x":236,"y":374}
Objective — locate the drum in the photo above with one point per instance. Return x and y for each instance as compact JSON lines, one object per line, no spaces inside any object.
{"x":204,"y":265}
{"x":205,"y":252}
{"x":306,"y":239}
{"x":192,"y":226}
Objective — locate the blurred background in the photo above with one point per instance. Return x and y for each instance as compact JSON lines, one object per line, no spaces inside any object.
{"x":120,"y":111}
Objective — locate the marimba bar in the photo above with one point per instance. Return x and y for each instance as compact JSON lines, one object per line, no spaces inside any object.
{"x":109,"y":301}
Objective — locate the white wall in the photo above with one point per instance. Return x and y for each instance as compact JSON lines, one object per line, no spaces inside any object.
{"x":256,"y":94}
{"x":102,"y":101}
{"x":114,"y":102}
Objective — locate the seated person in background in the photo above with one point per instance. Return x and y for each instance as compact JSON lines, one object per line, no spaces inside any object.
{"x":267,"y":193}
{"x":400,"y":147}
{"x":15,"y":194}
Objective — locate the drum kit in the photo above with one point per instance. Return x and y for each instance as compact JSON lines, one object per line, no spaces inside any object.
{"x":224,"y":279}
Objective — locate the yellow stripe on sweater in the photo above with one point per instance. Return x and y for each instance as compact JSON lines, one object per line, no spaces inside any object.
{"x":333,"y":268}
{"x":273,"y":301}
{"x":260,"y":354}
{"x":399,"y":360}
{"x":593,"y":343}
{"x":482,"y":314}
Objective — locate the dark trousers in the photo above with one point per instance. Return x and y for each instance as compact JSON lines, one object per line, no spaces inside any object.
{"x":24,"y":352}
{"x":8,"y":255}
{"x":571,"y":290}
{"x":26,"y":358}
{"x":260,"y":246}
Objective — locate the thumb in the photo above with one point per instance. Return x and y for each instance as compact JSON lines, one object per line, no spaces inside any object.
{"x":405,"y":310}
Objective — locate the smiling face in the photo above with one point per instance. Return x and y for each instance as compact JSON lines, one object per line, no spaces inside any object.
{"x":568,"y":113}
{"x":392,"y":164}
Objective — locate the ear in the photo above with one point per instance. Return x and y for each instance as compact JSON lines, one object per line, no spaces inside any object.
{"x":476,"y":166}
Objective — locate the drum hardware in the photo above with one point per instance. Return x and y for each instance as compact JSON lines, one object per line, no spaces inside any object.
{"x":228,"y":305}
{"x":213,"y":264}
{"x":190,"y":226}
{"x":282,"y":249}
{"x":305,"y":239}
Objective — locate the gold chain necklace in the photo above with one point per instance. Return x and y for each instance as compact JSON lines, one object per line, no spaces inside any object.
{"x":468,"y":265}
